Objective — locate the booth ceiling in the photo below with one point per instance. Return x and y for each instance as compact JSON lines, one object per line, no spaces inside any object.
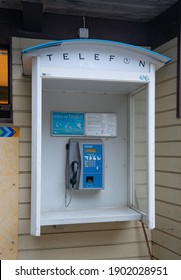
{"x":129,"y":10}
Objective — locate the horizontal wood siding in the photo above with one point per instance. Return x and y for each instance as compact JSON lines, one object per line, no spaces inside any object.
{"x":167,"y":235}
{"x":124,"y":240}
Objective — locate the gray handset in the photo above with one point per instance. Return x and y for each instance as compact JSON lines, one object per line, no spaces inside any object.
{"x":73,"y":165}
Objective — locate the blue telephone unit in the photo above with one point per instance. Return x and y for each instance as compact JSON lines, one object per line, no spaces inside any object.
{"x":84,"y":167}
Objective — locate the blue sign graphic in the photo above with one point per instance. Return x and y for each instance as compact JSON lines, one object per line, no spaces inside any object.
{"x":6,"y":131}
{"x":65,"y":124}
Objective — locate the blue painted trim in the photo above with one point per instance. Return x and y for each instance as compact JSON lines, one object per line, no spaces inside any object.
{"x":57,"y":43}
{"x":42,"y":46}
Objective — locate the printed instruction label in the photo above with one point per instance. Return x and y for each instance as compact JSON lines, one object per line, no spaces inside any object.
{"x":101,"y":124}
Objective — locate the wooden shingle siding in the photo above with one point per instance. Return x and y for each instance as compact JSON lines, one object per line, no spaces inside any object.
{"x":123,"y":240}
{"x":167,"y":235}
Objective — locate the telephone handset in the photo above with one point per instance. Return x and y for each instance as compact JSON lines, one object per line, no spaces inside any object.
{"x":75,"y":169}
{"x":73,"y":165}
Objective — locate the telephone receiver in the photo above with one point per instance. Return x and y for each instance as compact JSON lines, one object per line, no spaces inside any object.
{"x":75,"y":169}
{"x":73,"y":165}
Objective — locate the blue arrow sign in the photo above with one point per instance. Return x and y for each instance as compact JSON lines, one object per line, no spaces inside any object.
{"x":6,"y":131}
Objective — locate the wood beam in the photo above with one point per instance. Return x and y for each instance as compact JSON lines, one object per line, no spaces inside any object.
{"x":164,"y":27}
{"x":32,"y":15}
{"x":60,"y":27}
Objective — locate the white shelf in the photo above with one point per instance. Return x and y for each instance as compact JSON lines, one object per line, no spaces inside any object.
{"x":78,"y":216}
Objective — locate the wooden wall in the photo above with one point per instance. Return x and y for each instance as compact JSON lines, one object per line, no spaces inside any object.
{"x":9,"y":169}
{"x":167,"y":235}
{"x":124,"y":240}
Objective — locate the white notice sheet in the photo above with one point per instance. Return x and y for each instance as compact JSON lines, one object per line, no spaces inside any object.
{"x":101,"y":124}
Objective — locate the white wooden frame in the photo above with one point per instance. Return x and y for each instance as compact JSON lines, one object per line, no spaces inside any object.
{"x":149,"y":217}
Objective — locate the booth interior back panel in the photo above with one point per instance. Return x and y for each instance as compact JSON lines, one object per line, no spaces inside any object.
{"x":167,"y":235}
{"x":122,"y":240}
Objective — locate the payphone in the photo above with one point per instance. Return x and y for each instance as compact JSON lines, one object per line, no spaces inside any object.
{"x":84,"y":164}
{"x":106,"y":91}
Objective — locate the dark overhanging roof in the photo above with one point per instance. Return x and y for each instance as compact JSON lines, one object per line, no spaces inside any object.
{"x":129,"y":10}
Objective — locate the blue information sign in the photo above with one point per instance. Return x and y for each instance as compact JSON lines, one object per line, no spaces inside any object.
{"x":65,"y":124}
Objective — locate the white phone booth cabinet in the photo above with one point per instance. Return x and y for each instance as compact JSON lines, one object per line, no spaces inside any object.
{"x":110,"y":88}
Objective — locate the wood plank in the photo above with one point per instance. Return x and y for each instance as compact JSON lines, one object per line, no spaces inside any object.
{"x":169,"y":195}
{"x":169,"y":149}
{"x":21,"y":103}
{"x":168,"y":164}
{"x":140,"y":163}
{"x":25,"y":180}
{"x":166,"y":103}
{"x":165,"y":240}
{"x":16,"y":41}
{"x":16,"y":57}
{"x":134,"y":10}
{"x":28,"y":42}
{"x":168,"y":210}
{"x":25,"y":134}
{"x":171,"y":53}
{"x":25,"y":164}
{"x":131,"y":4}
{"x":140,"y":148}
{"x":162,"y":253}
{"x":80,"y":239}
{"x":18,"y":73}
{"x":140,"y":177}
{"x":168,"y":179}
{"x":22,"y":118}
{"x":169,"y":71}
{"x":166,"y":88}
{"x":98,"y":252}
{"x":21,"y":88}
{"x":168,"y":133}
{"x":25,"y":149}
{"x":24,"y":211}
{"x":168,"y":45}
{"x":24,"y":195}
{"x":167,"y":119}
{"x":169,"y":226}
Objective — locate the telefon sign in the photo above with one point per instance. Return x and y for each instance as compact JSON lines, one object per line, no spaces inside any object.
{"x":94,"y":54}
{"x":69,"y":56}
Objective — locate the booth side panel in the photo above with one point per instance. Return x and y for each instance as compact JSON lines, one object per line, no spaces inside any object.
{"x":166,"y":236}
{"x":123,"y":240}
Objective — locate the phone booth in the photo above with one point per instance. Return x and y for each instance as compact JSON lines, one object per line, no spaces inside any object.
{"x":93,"y":132}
